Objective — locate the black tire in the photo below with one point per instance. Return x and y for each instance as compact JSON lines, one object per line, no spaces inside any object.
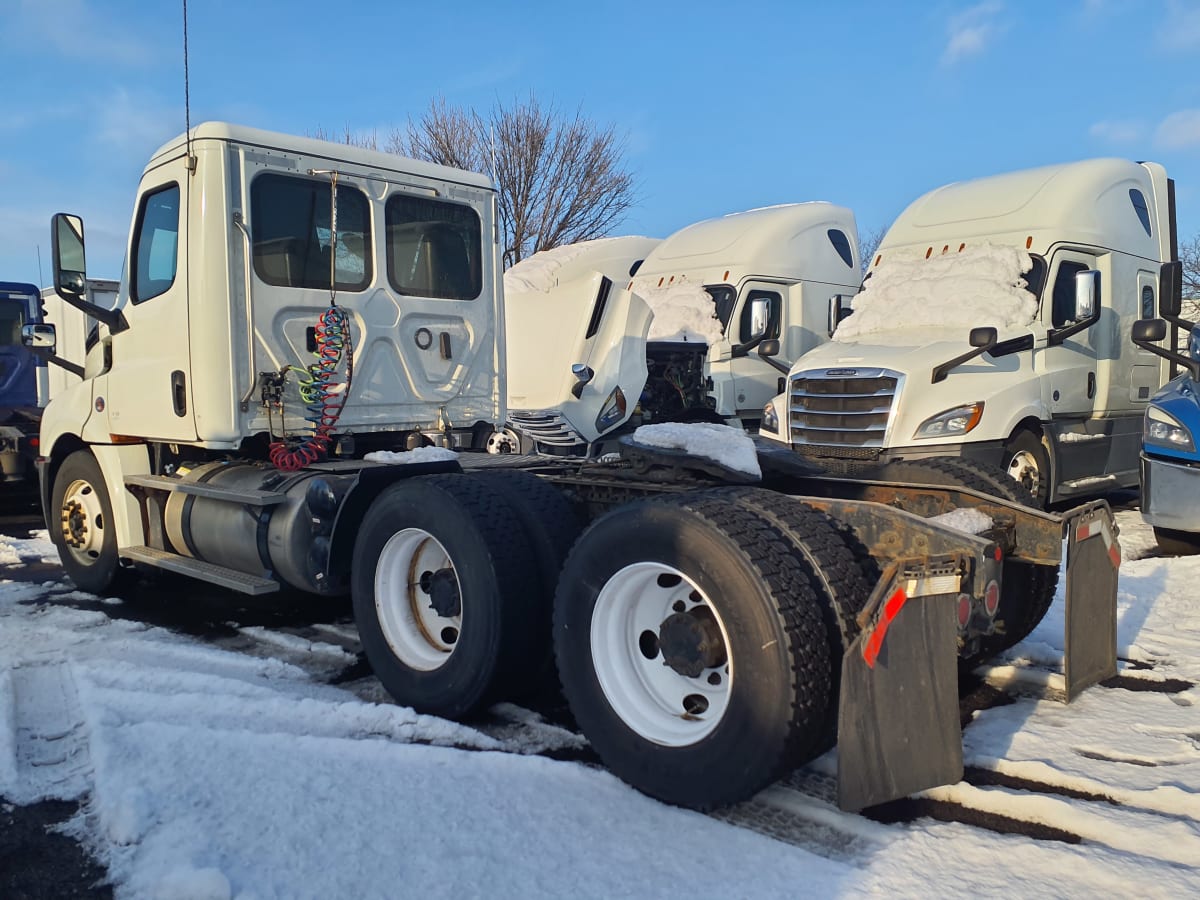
{"x":551,"y":527}
{"x":490,"y":562}
{"x":834,"y":573}
{"x":777,"y":648}
{"x":1023,"y":450}
{"x":1177,"y":543}
{"x":79,"y":487}
{"x":1028,"y":590}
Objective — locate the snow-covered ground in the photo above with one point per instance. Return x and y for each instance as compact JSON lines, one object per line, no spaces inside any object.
{"x":214,"y":770}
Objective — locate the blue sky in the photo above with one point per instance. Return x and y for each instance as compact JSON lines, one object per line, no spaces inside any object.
{"x":726,"y":106}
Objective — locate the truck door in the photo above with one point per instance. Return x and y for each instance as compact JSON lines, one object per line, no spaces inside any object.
{"x":149,"y":386}
{"x":755,"y":380}
{"x":1068,"y":369}
{"x":18,"y":367}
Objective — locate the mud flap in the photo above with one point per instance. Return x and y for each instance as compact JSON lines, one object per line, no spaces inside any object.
{"x":898,"y":723}
{"x":1093,"y":560}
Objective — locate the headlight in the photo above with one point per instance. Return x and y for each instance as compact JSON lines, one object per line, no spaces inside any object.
{"x":951,"y":422}
{"x":770,"y":421}
{"x":1166,"y":431}
{"x":612,"y":412}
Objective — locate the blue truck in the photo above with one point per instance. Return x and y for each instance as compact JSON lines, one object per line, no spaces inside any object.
{"x":1170,"y":457}
{"x":22,"y":382}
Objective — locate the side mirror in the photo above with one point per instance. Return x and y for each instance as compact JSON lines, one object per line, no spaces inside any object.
{"x":70,"y":267}
{"x":760,"y":317}
{"x":1170,"y":289}
{"x":982,"y":337}
{"x":1146,"y":333}
{"x":1149,"y":330}
{"x":1087,"y":295}
{"x":769,"y":347}
{"x":39,"y":337}
{"x":837,"y":312}
{"x":583,"y":374}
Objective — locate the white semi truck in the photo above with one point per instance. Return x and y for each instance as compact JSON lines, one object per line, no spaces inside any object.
{"x":289,"y":304}
{"x":626,"y":356}
{"x":1054,"y":265}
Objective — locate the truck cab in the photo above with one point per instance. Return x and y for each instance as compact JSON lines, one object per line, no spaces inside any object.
{"x":994,"y":324}
{"x":239,"y":240}
{"x":700,"y":326}
{"x":22,"y":382}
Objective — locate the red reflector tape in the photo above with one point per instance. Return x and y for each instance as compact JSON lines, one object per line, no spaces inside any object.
{"x":874,"y":643}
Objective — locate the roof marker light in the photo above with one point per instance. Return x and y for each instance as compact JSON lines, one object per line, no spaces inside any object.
{"x":961,"y":247}
{"x":1029,"y":242}
{"x":929,"y":253}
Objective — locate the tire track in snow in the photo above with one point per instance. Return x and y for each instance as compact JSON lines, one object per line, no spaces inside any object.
{"x":52,"y":752}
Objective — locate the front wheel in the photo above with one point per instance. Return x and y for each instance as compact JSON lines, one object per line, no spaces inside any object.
{"x":1027,"y":462}
{"x":82,"y":527}
{"x":692,"y":649}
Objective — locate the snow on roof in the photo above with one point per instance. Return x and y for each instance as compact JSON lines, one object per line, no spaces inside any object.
{"x":723,"y":444}
{"x":978,"y":286}
{"x":547,"y":269}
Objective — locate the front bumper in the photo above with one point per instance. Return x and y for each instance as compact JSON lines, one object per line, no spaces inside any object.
{"x":1170,"y":493}
{"x":855,"y":459}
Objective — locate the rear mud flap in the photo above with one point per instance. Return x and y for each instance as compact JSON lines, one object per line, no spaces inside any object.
{"x":1093,"y":560}
{"x":898,"y":723}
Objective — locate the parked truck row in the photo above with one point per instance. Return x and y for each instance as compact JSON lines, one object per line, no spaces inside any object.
{"x":290,"y":306}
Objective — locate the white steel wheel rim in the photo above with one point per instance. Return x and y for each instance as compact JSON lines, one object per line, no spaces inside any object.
{"x":82,"y":520}
{"x":650,"y":697}
{"x":419,"y":636}
{"x":1023,"y":469}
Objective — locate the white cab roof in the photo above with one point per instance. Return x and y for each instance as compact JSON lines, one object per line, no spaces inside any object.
{"x":789,"y":241}
{"x":1086,"y":202}
{"x":312,"y":147}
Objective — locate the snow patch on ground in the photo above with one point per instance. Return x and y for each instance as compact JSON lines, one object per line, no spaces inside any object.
{"x":404,"y":457}
{"x":976,"y":287}
{"x":37,"y":548}
{"x":723,"y":444}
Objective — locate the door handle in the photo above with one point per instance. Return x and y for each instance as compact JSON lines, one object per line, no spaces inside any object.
{"x":1091,"y":385}
{"x":179,"y":393}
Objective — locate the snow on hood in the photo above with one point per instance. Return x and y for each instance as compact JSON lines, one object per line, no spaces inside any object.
{"x":540,"y":271}
{"x":978,"y":286}
{"x":727,"y":446}
{"x":682,"y":312}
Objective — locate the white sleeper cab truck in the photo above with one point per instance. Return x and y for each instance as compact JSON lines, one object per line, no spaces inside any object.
{"x":701,"y":326}
{"x":295,"y":315}
{"x":994,"y":324}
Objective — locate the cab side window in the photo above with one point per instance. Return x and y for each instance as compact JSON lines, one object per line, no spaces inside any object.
{"x":1063,"y":300}
{"x":774,"y":315}
{"x":156,"y":245}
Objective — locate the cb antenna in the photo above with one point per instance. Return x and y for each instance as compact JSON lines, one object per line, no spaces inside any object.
{"x":187,"y":110}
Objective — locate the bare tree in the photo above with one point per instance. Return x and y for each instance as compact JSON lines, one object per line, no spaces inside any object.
{"x":560,"y":178}
{"x":868,"y":243}
{"x":1189,"y":255}
{"x":354,"y":139}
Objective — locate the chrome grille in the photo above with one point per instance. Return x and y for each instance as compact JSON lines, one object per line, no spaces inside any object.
{"x":842,"y":407}
{"x":548,"y":427}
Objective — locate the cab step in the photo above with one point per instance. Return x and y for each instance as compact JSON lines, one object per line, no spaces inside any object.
{"x":200,"y":570}
{"x":208,"y":491}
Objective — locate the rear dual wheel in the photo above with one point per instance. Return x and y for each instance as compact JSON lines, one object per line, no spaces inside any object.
{"x":693,"y":648}
{"x":1027,"y":590}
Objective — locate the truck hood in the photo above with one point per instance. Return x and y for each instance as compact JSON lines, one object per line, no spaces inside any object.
{"x":1180,"y":399}
{"x":909,"y":351}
